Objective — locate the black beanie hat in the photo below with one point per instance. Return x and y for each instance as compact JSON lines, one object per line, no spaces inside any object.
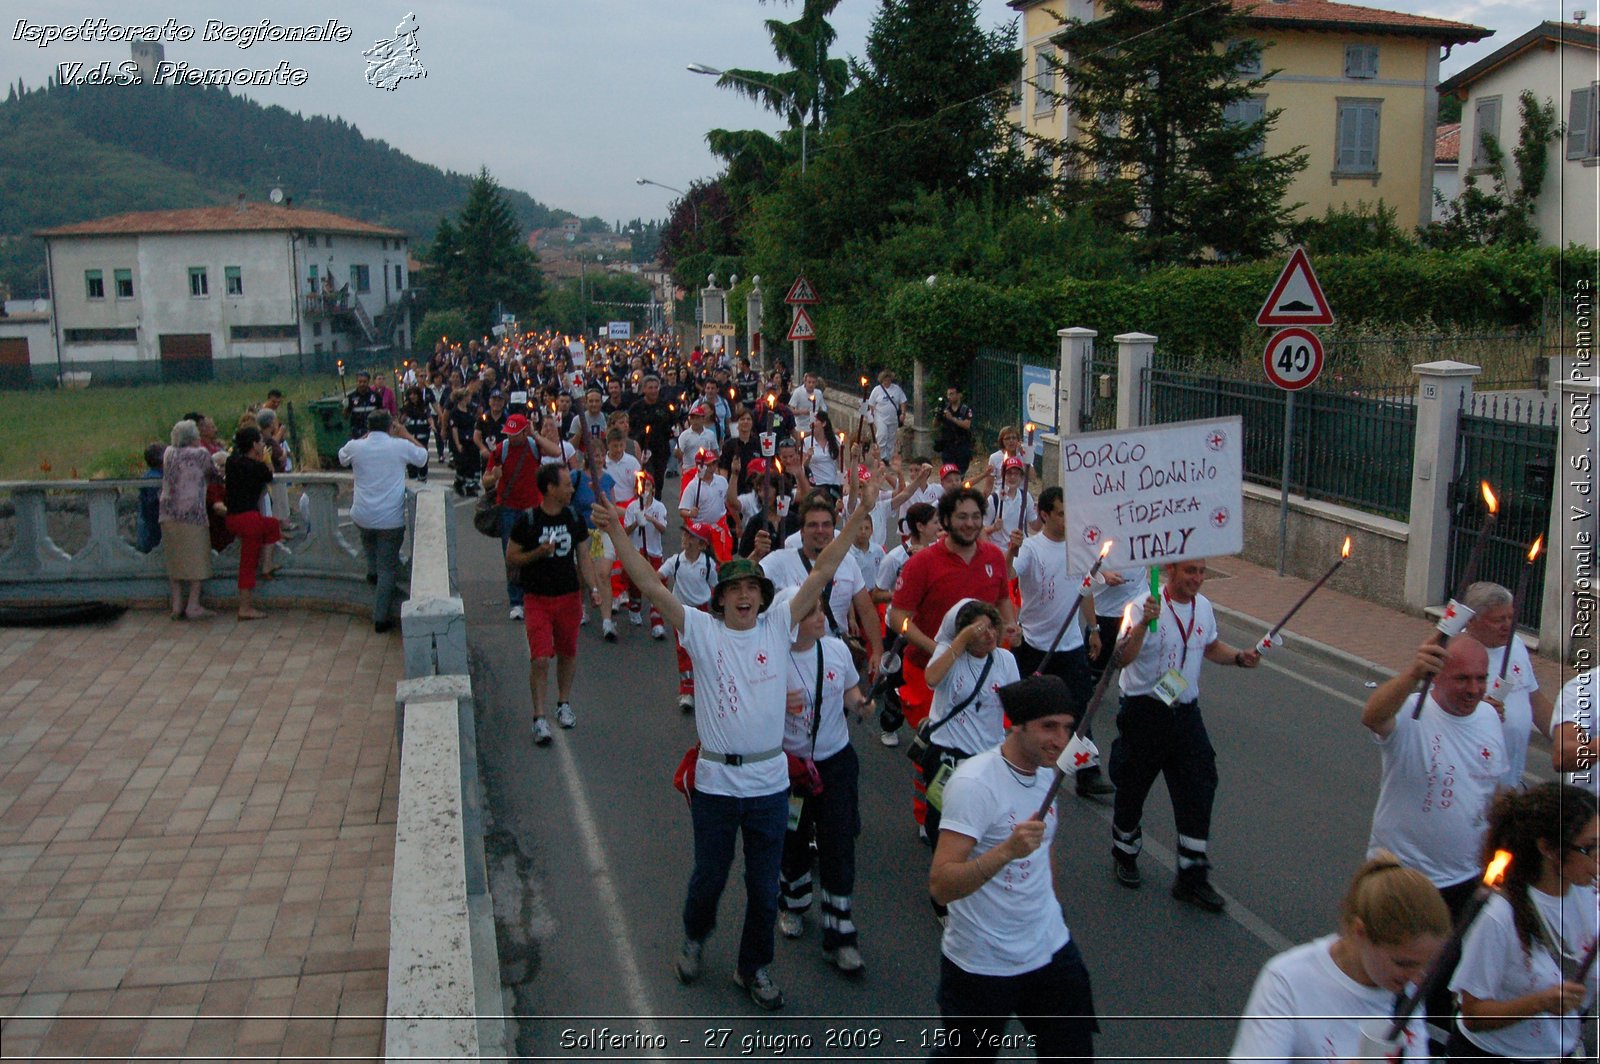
{"x":1036,"y":696}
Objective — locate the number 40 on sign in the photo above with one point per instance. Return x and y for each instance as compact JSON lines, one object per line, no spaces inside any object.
{"x":1293,"y":359}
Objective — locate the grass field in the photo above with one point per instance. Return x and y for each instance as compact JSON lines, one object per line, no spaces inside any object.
{"x":102,"y":431}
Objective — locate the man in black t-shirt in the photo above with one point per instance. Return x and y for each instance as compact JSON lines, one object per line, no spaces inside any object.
{"x":651,"y":424}
{"x":549,"y":543}
{"x":361,"y":404}
{"x":491,"y":426}
{"x":955,"y":430}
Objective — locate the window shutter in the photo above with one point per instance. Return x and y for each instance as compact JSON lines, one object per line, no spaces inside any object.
{"x":1579,"y":111}
{"x":1344,"y":155}
{"x":1485,"y":122}
{"x":1367,"y":146}
{"x":1361,"y":61}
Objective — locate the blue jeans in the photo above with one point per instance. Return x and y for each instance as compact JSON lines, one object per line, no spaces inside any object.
{"x":382,"y":547}
{"x":718,"y":821}
{"x":508,"y":517}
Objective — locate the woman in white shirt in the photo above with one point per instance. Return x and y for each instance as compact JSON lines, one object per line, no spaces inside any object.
{"x":1310,"y":1002}
{"x":821,"y":454}
{"x":1515,"y":983}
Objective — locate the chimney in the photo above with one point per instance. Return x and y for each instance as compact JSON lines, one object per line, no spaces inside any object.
{"x":240,"y":205}
{"x":1579,"y":15}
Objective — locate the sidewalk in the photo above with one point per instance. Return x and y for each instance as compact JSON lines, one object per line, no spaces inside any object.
{"x":196,"y":836}
{"x":1334,"y":624}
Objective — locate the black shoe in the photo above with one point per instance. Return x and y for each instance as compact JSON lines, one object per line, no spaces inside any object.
{"x":1127,"y":870}
{"x":1199,"y":892}
{"x":382,"y":626}
{"x":1090,"y":784}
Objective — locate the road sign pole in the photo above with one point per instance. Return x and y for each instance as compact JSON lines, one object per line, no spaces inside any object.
{"x":1283,"y":498}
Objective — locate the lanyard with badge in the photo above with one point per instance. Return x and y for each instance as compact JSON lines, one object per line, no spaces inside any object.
{"x":1172,"y":684}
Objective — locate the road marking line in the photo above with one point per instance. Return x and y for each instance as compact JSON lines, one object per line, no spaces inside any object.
{"x":1324,"y":688}
{"x":1236,"y":910}
{"x":599,"y":868}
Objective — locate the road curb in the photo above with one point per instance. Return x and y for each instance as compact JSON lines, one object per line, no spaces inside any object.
{"x":1330,"y":654}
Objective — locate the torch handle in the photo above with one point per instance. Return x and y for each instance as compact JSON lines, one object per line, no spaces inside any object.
{"x":1050,"y":794}
{"x":1304,"y":599}
{"x":1427,"y":681}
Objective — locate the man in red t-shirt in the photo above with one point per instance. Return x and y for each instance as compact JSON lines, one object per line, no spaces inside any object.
{"x":514,"y":470}
{"x":957,"y":566}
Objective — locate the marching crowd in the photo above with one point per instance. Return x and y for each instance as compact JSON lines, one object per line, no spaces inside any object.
{"x":824,"y":574}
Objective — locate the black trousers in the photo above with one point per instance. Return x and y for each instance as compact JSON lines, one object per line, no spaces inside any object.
{"x":1055,"y":1005}
{"x":1071,"y":665}
{"x":833,"y":818}
{"x":1155,"y":739}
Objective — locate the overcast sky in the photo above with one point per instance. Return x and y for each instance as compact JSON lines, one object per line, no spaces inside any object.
{"x":568,"y":100}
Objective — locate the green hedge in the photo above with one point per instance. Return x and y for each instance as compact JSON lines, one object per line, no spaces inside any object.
{"x":1198,"y":313}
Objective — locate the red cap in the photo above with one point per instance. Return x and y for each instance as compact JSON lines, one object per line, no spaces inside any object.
{"x":516,"y":423}
{"x":756,"y":466}
{"x":705,"y":458}
{"x":698,"y":529}
{"x":1009,"y":464}
{"x":947,"y":469}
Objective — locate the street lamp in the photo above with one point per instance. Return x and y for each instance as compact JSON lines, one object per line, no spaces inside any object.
{"x":701,"y":68}
{"x":692,"y":205}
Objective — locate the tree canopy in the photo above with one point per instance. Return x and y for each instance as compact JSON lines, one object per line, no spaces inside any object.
{"x":479,"y":264}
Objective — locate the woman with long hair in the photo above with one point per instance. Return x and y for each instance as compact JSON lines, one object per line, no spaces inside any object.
{"x":820,"y":453}
{"x":1515,"y":984}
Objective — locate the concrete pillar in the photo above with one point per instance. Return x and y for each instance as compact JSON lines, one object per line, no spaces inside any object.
{"x":754,"y":342}
{"x":1567,"y":614}
{"x":1443,"y":391}
{"x":1075,"y":401}
{"x":921,"y":437}
{"x":1136,"y":353}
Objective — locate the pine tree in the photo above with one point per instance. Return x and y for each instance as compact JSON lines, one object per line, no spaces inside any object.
{"x":480,"y":264}
{"x":1162,"y":147}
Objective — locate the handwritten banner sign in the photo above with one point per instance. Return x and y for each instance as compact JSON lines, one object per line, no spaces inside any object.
{"x":1163,"y":494}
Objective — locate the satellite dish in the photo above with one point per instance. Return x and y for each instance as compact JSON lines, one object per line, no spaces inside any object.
{"x":276,"y":195}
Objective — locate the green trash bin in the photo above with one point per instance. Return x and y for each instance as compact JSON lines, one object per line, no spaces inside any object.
{"x":331,"y":428}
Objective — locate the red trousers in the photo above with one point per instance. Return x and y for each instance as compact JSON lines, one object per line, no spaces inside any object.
{"x":253,"y":531}
{"x":916,"y":700}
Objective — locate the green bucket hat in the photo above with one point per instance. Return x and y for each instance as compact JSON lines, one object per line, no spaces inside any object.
{"x":740,"y":569}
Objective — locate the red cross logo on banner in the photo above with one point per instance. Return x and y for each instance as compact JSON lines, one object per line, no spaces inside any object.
{"x":1091,"y":534}
{"x":1219,"y":516}
{"x":1216,"y":440}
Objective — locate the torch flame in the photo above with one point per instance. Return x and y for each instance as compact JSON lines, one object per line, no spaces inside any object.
{"x":1344,"y":552}
{"x":1489,"y":499}
{"x":1128,"y":613}
{"x":1105,"y":550}
{"x":1533,"y":551}
{"x":1497,"y":868}
{"x":863,"y":382}
{"x":905,"y":625}
{"x":771,"y":400}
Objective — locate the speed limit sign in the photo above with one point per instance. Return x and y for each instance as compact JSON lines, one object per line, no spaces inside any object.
{"x":1293,"y":359}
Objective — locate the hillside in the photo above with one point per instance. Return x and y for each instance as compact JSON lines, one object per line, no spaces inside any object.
{"x":71,"y":154}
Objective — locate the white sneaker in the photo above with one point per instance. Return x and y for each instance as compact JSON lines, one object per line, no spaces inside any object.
{"x":657,"y":632}
{"x":516,"y":613}
{"x":634,"y":619}
{"x":583,"y":616}
{"x":608,"y":631}
{"x":846,"y":958}
{"x":889,"y":738}
{"x":790,"y":924}
{"x":564,"y":714}
{"x":686,"y":703}
{"x":541,"y":732}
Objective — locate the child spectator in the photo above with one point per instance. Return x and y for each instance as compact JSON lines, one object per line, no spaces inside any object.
{"x":149,"y":529}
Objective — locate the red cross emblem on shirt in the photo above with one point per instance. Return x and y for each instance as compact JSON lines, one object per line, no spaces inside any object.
{"x":1485,"y":754}
{"x":1517,"y":669}
{"x":1080,"y":758}
{"x":761,"y":658}
{"x":832,"y":676}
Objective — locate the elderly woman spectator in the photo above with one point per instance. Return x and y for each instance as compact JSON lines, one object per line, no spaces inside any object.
{"x":186,"y":470}
{"x":249,"y":471}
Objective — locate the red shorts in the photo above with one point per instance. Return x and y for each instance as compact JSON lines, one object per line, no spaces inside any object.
{"x":552,"y":624}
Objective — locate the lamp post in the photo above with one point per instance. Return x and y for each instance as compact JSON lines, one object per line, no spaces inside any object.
{"x":693,"y":206}
{"x":701,"y":68}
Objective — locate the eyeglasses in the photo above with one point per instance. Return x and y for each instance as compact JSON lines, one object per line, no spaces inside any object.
{"x":1586,"y":851}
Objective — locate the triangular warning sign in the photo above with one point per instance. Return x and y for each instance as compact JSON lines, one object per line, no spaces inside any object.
{"x":802,"y":329}
{"x":801,"y":292}
{"x":1296,"y":298}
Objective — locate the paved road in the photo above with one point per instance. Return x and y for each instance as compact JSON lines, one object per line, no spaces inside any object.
{"x":590,"y":851}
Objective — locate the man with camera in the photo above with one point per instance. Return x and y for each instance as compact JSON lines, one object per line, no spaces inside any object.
{"x":954,"y":419}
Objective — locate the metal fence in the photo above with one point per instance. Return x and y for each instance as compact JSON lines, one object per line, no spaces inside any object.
{"x":995,"y":392}
{"x":1100,"y":385}
{"x":1516,"y":457}
{"x":1348,"y":448}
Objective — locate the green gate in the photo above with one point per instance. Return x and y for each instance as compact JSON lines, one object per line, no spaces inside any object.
{"x":1511,"y":445}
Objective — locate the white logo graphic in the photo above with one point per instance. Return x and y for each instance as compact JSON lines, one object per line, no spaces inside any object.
{"x":393,"y":61}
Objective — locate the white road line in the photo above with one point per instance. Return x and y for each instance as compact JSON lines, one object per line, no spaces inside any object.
{"x":1332,"y":692}
{"x":594,"y":855}
{"x":1236,"y":910}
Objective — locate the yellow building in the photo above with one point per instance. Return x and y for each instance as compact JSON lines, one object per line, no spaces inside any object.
{"x":1358,"y":87}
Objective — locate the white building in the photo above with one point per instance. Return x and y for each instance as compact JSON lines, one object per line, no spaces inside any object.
{"x":220,"y":291}
{"x":1559,"y":62}
{"x":1446,"y":166}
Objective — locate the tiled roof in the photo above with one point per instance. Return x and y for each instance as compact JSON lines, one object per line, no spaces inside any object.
{"x":1546,"y":34}
{"x":247,"y":217}
{"x":1327,"y":15}
{"x":1447,"y":143}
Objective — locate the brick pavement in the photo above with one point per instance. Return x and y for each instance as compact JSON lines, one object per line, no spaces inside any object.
{"x":196,"y":837}
{"x":1384,"y":637}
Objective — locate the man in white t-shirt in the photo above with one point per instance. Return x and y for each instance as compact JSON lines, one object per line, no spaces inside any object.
{"x":1006,"y":949}
{"x":1522,"y":706}
{"x":885,"y":408}
{"x":1440,"y":770}
{"x":847,"y":595}
{"x":741,"y":778}
{"x":806,"y":401}
{"x":378,"y":511}
{"x":1160,"y":731}
{"x":1572,"y":732}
